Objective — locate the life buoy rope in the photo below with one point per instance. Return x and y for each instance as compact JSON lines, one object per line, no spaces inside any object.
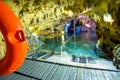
{"x":16,"y":44}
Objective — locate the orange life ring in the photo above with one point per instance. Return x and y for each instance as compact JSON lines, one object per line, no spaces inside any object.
{"x":16,"y":44}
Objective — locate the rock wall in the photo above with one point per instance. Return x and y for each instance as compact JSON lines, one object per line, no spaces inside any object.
{"x":37,"y":16}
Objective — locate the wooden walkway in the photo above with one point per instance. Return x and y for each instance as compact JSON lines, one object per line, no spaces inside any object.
{"x":38,"y":70}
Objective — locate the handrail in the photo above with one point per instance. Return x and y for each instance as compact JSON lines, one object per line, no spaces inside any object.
{"x":65,"y":43}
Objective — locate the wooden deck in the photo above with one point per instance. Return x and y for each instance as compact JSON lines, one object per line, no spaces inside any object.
{"x":40,"y":70}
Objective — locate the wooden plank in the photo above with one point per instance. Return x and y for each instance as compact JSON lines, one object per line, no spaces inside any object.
{"x":37,"y":64}
{"x":14,"y":77}
{"x":87,"y":74}
{"x":59,"y":73}
{"x":56,"y":74}
{"x":46,"y":73}
{"x":100,"y":75}
{"x":80,"y":74}
{"x":29,"y":78}
{"x":25,"y":64}
{"x":64,"y":73}
{"x":52,"y":72}
{"x":25,"y":67}
{"x":29,"y":68}
{"x":19,"y":77}
{"x":25,"y":78}
{"x":93,"y":75}
{"x":45,"y":67}
{"x":118,"y":73}
{"x":115,"y":75}
{"x":66,"y":77}
{"x":38,"y":69}
{"x":11,"y":77}
{"x":73,"y":74}
{"x":107,"y":75}
{"x":5,"y":77}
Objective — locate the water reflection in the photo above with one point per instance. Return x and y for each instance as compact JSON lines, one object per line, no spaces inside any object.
{"x":82,"y":45}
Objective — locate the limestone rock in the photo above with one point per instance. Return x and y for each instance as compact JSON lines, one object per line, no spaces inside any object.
{"x":37,"y":15}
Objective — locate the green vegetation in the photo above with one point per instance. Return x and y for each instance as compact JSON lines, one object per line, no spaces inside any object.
{"x":39,"y":15}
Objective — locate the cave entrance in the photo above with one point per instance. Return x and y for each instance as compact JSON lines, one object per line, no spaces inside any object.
{"x":80,"y":24}
{"x":84,"y":38}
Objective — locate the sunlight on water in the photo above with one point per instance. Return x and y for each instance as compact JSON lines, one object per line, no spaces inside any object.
{"x":82,"y":45}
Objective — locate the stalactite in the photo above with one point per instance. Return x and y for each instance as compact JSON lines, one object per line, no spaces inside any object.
{"x":29,"y":11}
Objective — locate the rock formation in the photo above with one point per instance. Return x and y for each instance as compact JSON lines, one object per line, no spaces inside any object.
{"x":37,"y":16}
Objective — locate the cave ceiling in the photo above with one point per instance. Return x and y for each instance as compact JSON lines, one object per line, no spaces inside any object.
{"x":37,"y":15}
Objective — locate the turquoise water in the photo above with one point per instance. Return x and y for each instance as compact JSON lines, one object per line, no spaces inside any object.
{"x":82,"y":44}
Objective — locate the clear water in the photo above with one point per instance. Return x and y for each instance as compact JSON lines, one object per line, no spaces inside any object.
{"x":82,"y":44}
